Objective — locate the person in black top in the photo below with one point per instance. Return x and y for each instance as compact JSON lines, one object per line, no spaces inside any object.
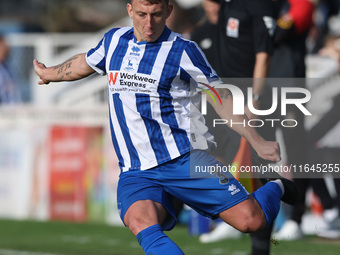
{"x":245,"y":41}
{"x":242,"y":47}
{"x":288,"y":61}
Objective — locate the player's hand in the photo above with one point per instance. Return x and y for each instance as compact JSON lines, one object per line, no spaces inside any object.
{"x":268,"y":150}
{"x":39,"y":68}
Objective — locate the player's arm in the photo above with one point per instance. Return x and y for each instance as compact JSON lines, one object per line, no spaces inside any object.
{"x":267,"y":150}
{"x":72,"y":69}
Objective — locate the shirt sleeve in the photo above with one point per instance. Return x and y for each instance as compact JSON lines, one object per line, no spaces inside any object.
{"x":96,"y":58}
{"x":194,"y":65}
{"x":263,"y":22}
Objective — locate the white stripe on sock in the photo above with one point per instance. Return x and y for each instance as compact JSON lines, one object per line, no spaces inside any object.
{"x":279,"y":182}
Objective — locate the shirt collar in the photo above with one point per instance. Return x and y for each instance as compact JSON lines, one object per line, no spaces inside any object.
{"x":163,"y":37}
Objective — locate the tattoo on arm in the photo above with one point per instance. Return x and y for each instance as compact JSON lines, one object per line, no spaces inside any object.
{"x":64,"y":66}
{"x":68,"y":65}
{"x":224,"y":93}
{"x":61,"y":69}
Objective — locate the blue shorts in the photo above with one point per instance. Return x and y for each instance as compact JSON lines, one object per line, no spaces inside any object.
{"x":208,"y":194}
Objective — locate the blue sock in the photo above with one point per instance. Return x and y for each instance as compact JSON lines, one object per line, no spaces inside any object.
{"x":269,"y":198}
{"x":155,"y":242}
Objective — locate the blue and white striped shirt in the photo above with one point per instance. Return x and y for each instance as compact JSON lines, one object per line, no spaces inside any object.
{"x":152,"y":115}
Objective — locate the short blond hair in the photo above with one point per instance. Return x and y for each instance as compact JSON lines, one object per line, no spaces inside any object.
{"x":154,"y":1}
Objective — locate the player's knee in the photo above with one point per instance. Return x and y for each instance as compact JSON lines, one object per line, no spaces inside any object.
{"x":137,"y":224}
{"x":143,"y":214}
{"x":253,"y":221}
{"x":252,"y":226}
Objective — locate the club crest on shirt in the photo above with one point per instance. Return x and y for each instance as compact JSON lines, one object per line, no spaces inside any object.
{"x":130,"y":64}
{"x":233,"y":27}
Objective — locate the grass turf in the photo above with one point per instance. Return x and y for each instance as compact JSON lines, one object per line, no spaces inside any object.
{"x":62,"y":238}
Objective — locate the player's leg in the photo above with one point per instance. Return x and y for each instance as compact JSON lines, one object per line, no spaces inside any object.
{"x":257,"y":212}
{"x":144,"y":219}
{"x":212,"y":191}
{"x":245,"y":216}
{"x":260,"y":241}
{"x":147,"y":210}
{"x":143,"y":214}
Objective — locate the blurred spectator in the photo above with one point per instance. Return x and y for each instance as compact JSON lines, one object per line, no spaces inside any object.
{"x":324,"y":10}
{"x":328,"y":155}
{"x":288,"y":61}
{"x":331,"y":48}
{"x":205,"y":33}
{"x":182,"y":19}
{"x":295,"y":18}
{"x":8,"y":92}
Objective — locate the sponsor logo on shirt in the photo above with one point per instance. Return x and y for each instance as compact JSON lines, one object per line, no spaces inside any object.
{"x":112,"y":77}
{"x":135,"y":51}
{"x":270,"y":24}
{"x":233,"y":27}
{"x":131,"y":81}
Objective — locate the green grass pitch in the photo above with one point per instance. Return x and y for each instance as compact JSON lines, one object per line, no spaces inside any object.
{"x":62,"y":238}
